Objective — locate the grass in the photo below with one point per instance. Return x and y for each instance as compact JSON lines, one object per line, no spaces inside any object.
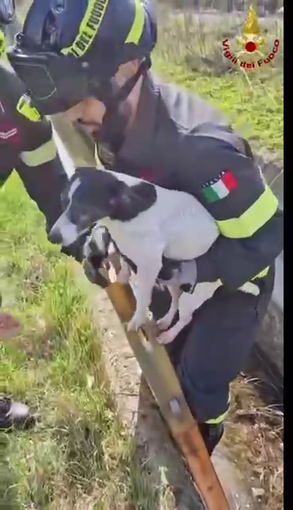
{"x":189,"y":53}
{"x":79,"y":455}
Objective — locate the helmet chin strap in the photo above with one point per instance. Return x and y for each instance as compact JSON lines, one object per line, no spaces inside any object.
{"x":118,"y":110}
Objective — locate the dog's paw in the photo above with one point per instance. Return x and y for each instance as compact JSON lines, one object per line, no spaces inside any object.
{"x":166,"y":337}
{"x":165,"y":322}
{"x":138,"y":320}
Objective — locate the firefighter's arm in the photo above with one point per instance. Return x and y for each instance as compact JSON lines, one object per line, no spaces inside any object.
{"x":246,"y":211}
{"x":40,"y":167}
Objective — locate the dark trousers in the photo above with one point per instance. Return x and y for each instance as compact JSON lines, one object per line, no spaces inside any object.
{"x":210,"y":351}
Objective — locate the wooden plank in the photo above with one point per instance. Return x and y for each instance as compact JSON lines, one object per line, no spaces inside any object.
{"x":162,"y":379}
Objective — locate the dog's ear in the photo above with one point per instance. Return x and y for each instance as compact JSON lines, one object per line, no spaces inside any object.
{"x":129,"y":201}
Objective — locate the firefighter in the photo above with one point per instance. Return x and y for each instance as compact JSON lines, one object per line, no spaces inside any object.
{"x":92,"y":60}
{"x":26,"y":145}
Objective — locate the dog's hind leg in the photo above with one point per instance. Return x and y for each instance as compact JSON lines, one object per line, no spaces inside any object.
{"x":166,"y":321}
{"x":168,"y":336}
{"x":187,"y":305}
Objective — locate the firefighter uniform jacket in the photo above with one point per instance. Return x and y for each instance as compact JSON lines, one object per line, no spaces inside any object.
{"x":26,"y":145}
{"x":180,"y":142}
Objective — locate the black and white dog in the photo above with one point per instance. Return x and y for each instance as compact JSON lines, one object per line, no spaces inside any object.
{"x":147,"y":224}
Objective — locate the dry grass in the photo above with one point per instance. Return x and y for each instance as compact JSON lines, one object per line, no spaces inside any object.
{"x":254,"y":441}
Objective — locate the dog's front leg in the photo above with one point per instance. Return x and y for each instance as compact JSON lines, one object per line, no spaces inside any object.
{"x":165,"y":321}
{"x":143,"y":288}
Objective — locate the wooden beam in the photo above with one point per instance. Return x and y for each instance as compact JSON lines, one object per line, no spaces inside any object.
{"x":162,"y":379}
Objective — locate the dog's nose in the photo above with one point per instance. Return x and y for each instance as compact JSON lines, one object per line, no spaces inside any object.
{"x":55,"y":236}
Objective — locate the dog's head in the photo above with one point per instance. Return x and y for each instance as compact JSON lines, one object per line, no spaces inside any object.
{"x":93,"y":195}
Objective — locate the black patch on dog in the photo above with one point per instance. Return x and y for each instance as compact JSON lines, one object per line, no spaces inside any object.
{"x":100,"y":194}
{"x":130,"y":201}
{"x":186,"y":287}
{"x":169,"y":267}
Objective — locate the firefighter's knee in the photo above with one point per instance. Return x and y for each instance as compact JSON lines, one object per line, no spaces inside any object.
{"x":208,"y":403}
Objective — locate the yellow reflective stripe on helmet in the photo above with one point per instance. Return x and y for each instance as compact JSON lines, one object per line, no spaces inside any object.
{"x":88,"y":28}
{"x":43,"y":154}
{"x":137,"y":25}
{"x":28,"y":111}
{"x":252,"y":219}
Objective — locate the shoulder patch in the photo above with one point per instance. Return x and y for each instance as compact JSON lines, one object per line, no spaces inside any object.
{"x":220,"y":187}
{"x":28,"y":111}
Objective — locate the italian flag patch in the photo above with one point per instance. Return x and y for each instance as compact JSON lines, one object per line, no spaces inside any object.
{"x":220,"y":187}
